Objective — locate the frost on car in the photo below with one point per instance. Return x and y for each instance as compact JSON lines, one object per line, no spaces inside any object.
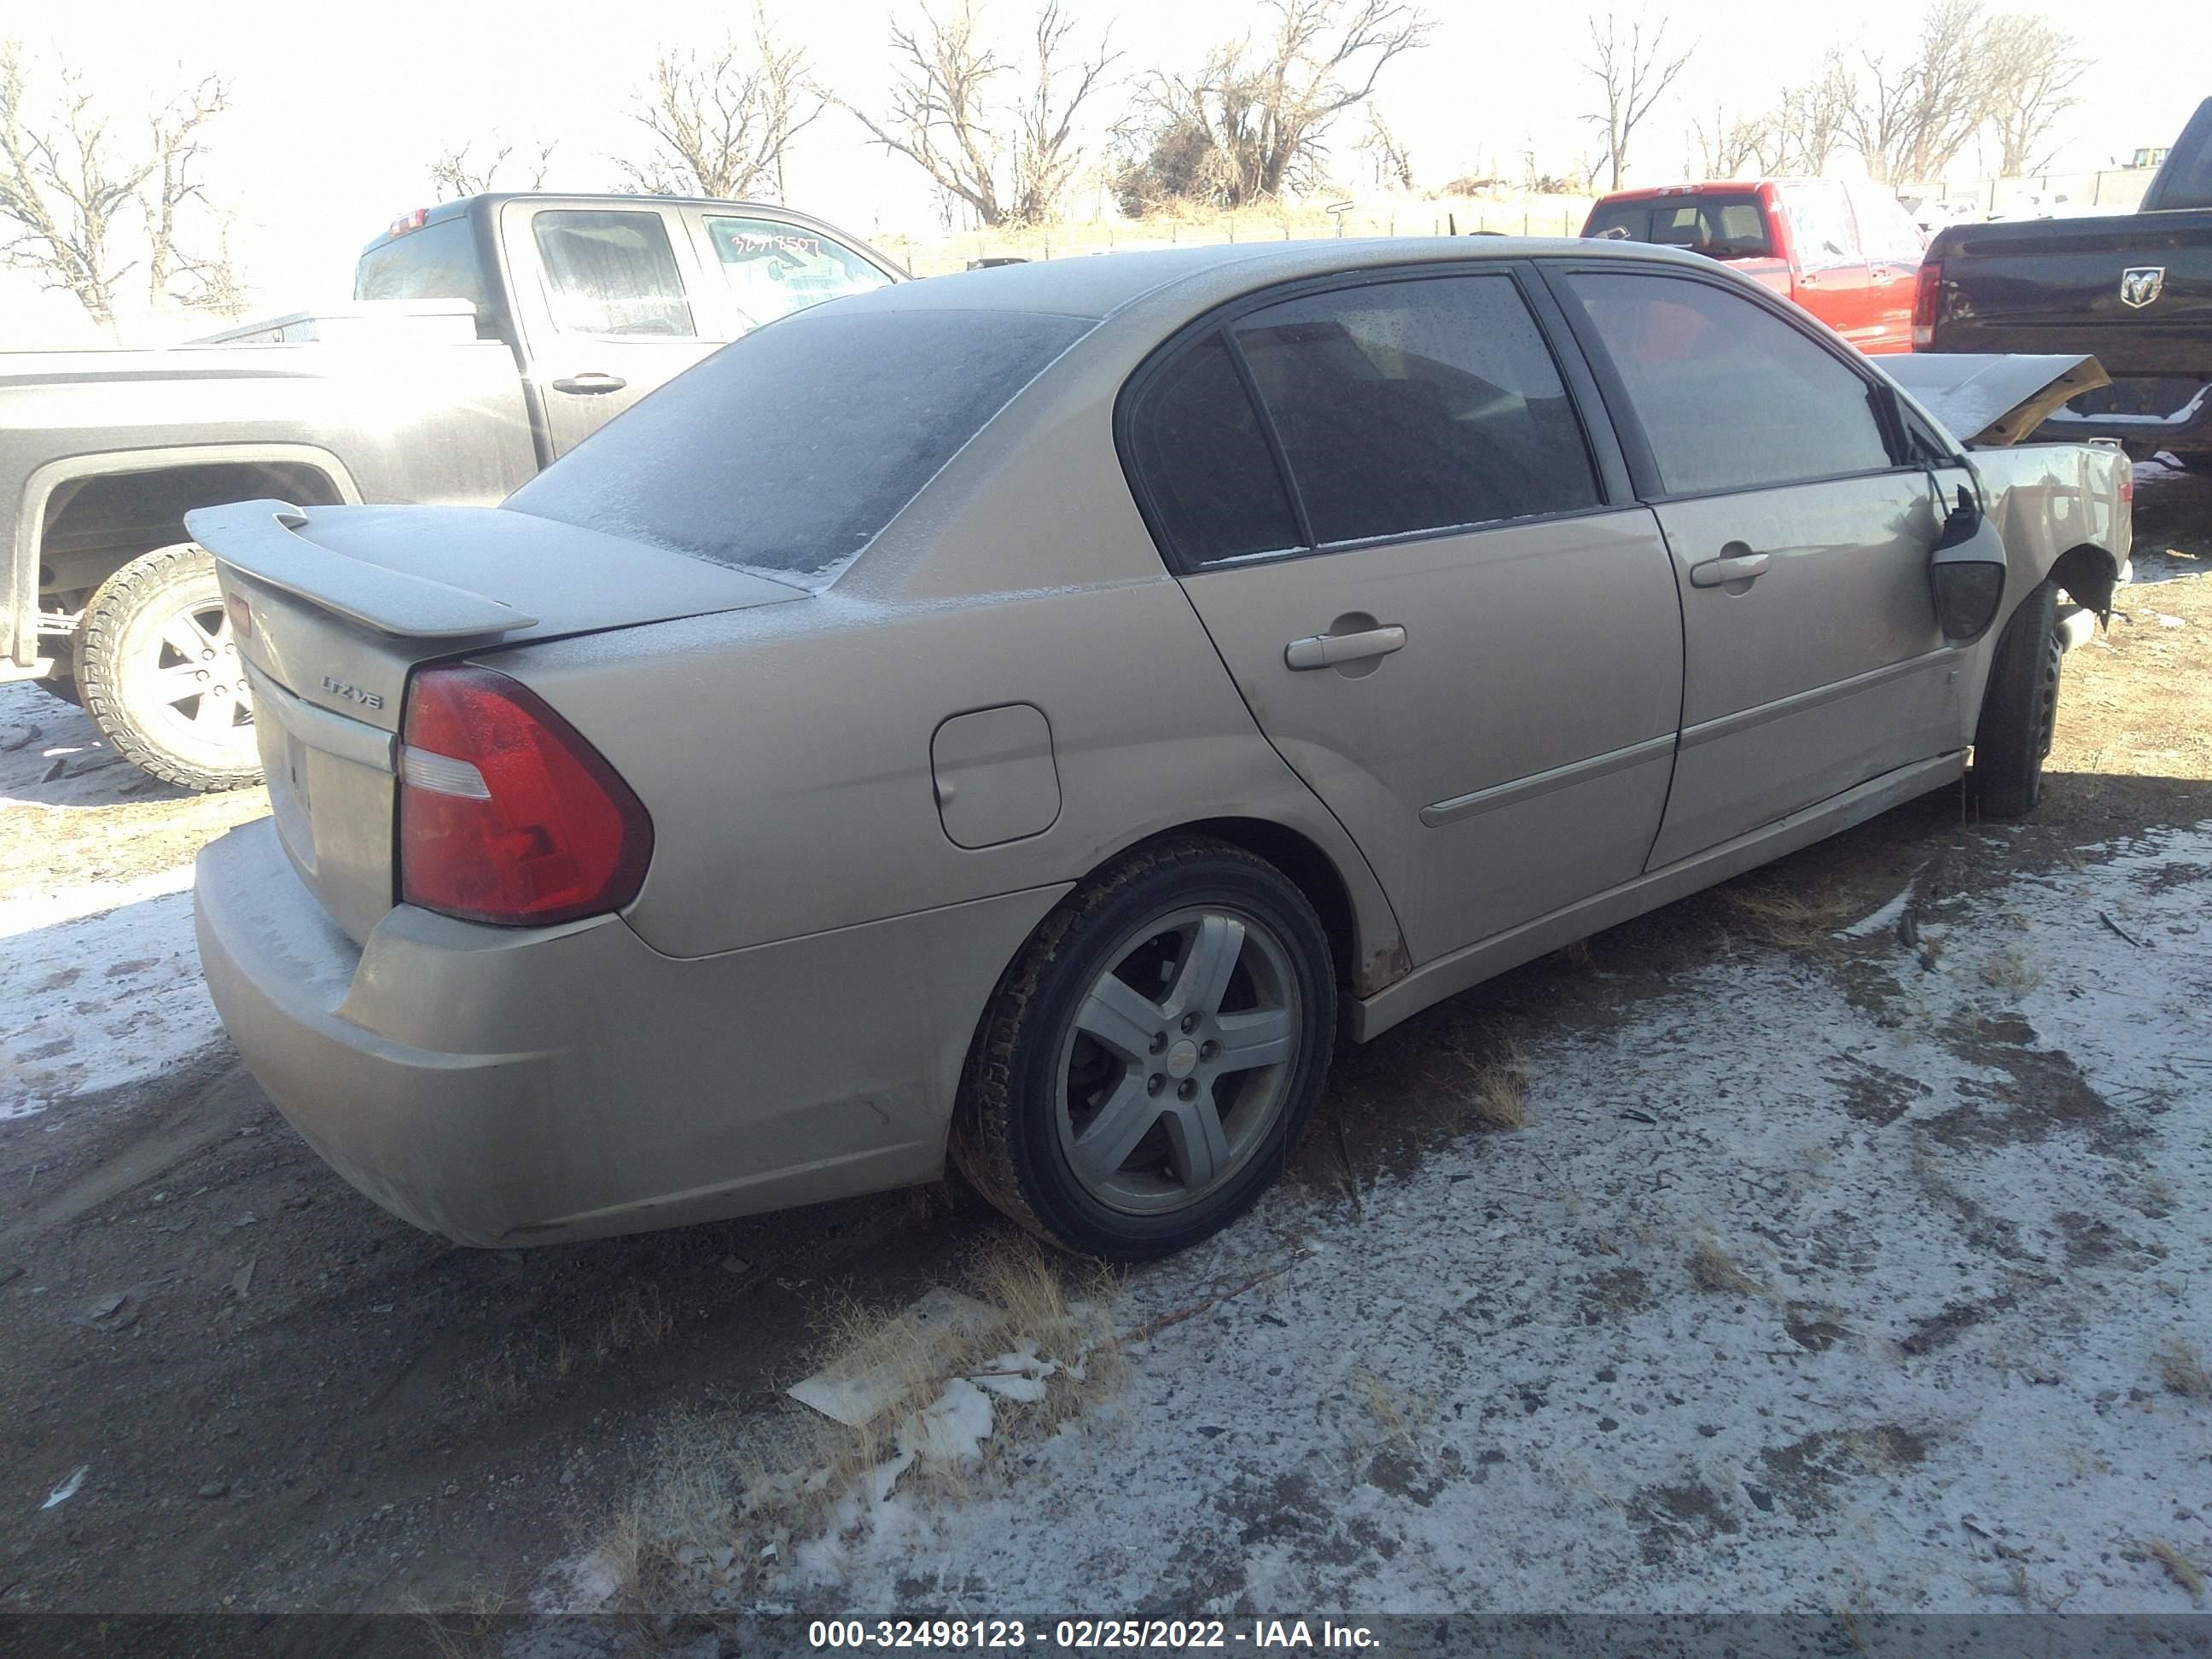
{"x":1023,"y":718}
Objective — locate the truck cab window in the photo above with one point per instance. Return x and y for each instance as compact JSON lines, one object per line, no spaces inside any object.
{"x":438,"y":262}
{"x":611,"y":273}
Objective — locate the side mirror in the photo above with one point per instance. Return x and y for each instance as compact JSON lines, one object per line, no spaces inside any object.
{"x":1967,"y":571}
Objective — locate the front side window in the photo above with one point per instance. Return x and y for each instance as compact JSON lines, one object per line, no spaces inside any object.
{"x":611,"y":273}
{"x":1417,"y":405}
{"x":1729,"y":396}
{"x":774,"y":269}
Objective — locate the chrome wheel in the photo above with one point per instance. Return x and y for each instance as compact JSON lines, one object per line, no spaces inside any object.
{"x":1179,"y":1059}
{"x":185,"y":683}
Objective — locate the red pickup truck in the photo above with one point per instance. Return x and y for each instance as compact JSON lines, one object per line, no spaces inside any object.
{"x":1848,"y":254}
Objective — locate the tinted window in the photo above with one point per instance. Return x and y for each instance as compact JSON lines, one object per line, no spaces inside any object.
{"x":774,"y":269}
{"x":1729,"y":395}
{"x":1418,"y":406}
{"x":789,"y":449}
{"x":1720,"y":227}
{"x":1196,"y":442}
{"x":610,"y":273}
{"x":438,"y":262}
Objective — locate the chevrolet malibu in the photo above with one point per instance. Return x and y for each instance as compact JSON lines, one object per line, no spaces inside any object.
{"x":1023,"y":717}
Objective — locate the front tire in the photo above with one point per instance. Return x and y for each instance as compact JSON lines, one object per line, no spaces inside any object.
{"x":1150,"y":1056}
{"x":2020,"y":710}
{"x":160,"y":676}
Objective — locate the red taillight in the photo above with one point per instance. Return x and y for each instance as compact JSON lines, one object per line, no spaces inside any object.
{"x":506,"y":814}
{"x":1926,"y":291}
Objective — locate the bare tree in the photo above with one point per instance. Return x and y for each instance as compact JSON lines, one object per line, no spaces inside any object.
{"x":61,"y":193}
{"x":1634,"y":73}
{"x":1009,"y":164}
{"x":2031,"y":72}
{"x":1911,"y":118}
{"x":457,"y":172}
{"x":1251,"y":123}
{"x":174,"y":183}
{"x":1734,"y":145}
{"x":1810,"y":121}
{"x":1393,"y":166}
{"x":68,"y":187}
{"x":1045,"y":155}
{"x":722,"y":119}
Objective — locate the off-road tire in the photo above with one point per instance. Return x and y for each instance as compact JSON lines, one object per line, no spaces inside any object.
{"x":2020,"y":710}
{"x":163,"y":580}
{"x":1004,"y":1136}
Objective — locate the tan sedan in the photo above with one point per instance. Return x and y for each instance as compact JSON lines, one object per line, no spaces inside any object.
{"x":1027,"y":715}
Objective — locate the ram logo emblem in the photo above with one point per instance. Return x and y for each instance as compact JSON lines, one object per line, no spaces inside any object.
{"x":353,"y":693}
{"x":2140,"y":284}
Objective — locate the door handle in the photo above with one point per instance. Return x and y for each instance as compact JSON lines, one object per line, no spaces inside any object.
{"x":588,"y":384}
{"x":1737,"y":568}
{"x":1329,"y":650}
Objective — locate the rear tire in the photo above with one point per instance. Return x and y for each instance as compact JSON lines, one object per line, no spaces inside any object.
{"x":2198,"y":460}
{"x":2020,"y":710}
{"x":160,"y":676}
{"x":1148,"y":1061}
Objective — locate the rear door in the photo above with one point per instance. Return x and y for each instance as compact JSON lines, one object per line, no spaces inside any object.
{"x":1427,"y":582}
{"x":1831,"y":278}
{"x":607,"y":297}
{"x":1801,"y":546}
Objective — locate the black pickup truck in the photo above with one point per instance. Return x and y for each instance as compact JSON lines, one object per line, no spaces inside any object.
{"x":2133,"y":290}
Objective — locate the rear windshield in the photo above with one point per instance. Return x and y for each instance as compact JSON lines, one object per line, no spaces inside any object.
{"x":1719,"y":227}
{"x":787,"y":452}
{"x":438,"y":262}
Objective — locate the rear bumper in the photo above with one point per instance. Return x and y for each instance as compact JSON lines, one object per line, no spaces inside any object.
{"x":507,"y":1086}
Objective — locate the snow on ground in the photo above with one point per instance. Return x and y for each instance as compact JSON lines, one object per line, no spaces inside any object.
{"x":1946,"y":1207}
{"x":99,"y":981}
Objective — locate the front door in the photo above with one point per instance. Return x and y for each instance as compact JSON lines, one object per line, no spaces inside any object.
{"x":1403,"y":552}
{"x":1813,"y":659}
{"x":607,"y":299}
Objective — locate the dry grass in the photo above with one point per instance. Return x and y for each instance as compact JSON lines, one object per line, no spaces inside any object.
{"x":466,"y":1626}
{"x":732,"y":1499}
{"x":2179,"y":1567}
{"x":1713,"y":1270}
{"x":2183,"y":1371}
{"x":1499,"y":1095}
{"x":1793,"y":918}
{"x":2013,"y":969}
{"x":1393,"y":1416}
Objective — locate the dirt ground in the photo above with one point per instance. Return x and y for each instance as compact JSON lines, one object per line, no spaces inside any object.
{"x":261,"y":1392}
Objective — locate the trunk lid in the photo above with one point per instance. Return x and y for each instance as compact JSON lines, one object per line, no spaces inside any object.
{"x":342,"y":602}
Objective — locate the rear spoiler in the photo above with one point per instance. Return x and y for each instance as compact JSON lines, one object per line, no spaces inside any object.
{"x":262,"y":540}
{"x":1988,"y":400}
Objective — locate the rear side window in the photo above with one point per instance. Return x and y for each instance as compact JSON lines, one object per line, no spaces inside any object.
{"x":774,"y":269}
{"x":788,"y":451}
{"x":1195,"y":439}
{"x":1729,"y":396}
{"x":438,"y":262}
{"x":1418,"y":406}
{"x":611,"y":273}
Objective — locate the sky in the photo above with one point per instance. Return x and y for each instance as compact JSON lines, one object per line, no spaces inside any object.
{"x":338,"y":110}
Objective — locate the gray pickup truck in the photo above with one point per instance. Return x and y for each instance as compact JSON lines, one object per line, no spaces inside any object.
{"x":487,"y":337}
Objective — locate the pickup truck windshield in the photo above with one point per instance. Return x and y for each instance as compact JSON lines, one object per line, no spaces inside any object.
{"x":1718,"y":227}
{"x":787,"y":452}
